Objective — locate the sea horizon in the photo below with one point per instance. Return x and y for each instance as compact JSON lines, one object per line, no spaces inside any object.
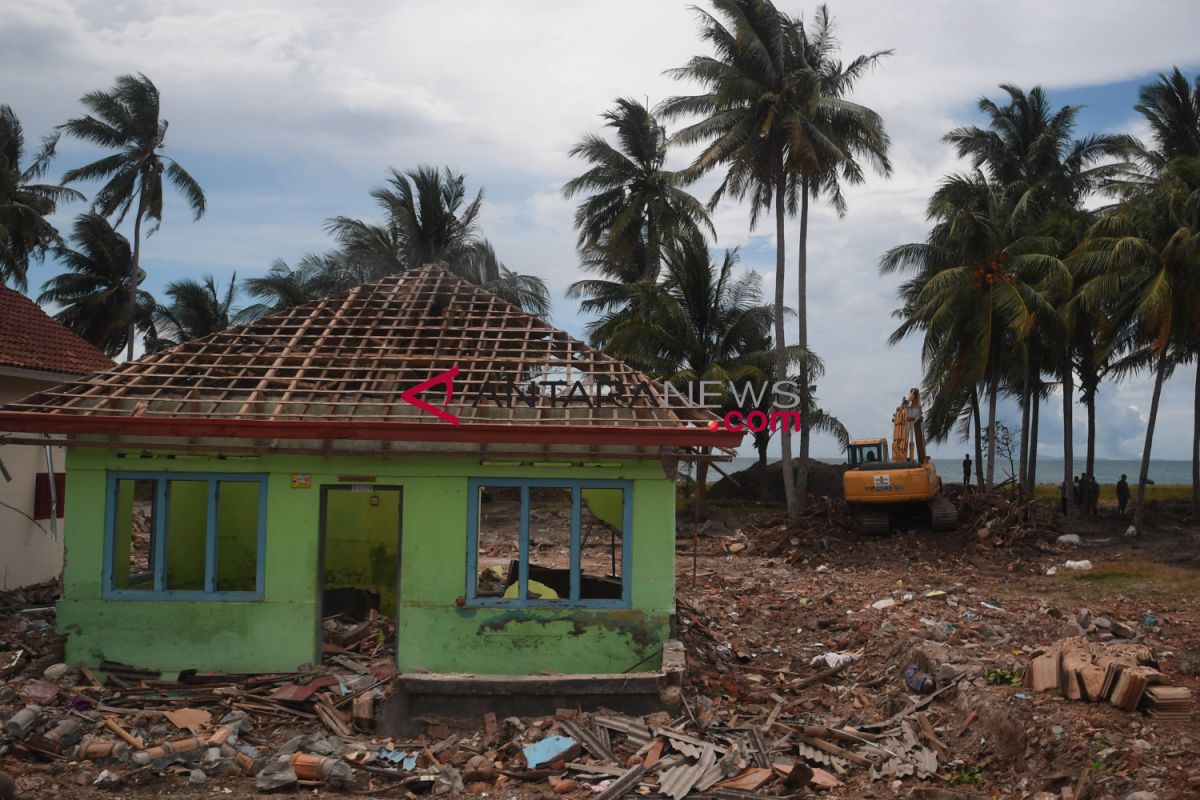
{"x":1163,"y":471}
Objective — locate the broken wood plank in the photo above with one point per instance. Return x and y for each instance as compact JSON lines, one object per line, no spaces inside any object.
{"x":125,"y":735}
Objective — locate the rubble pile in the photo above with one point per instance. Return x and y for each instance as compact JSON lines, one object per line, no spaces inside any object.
{"x":843,"y":666}
{"x":1003,"y":520}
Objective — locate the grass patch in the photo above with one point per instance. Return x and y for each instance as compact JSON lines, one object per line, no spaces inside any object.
{"x":1134,"y":578}
{"x":1048,"y":492}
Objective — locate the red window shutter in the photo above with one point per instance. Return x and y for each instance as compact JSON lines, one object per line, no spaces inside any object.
{"x":41,"y":494}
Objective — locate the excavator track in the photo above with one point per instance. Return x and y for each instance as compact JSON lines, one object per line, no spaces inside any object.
{"x":944,"y":514}
{"x":873,"y":521}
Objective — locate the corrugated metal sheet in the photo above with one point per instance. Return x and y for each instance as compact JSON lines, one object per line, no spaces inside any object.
{"x":678,"y":781}
{"x":635,"y":729}
{"x":588,"y":739}
{"x":820,"y":757}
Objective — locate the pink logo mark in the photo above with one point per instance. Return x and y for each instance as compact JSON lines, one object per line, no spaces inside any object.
{"x":447,"y":379}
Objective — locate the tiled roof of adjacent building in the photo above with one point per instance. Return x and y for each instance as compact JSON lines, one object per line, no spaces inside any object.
{"x":32,"y":339}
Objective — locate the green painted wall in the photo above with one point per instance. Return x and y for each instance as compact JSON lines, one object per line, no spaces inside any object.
{"x":435,"y":634}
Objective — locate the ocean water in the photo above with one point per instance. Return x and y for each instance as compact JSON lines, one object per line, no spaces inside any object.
{"x":1049,"y":470}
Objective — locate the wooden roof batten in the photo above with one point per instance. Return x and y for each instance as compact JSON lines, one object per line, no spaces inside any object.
{"x":336,"y":369}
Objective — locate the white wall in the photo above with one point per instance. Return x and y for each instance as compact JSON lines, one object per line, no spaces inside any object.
{"x":27,"y":554}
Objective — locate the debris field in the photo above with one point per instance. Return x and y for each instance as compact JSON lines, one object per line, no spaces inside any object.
{"x":820,"y":662}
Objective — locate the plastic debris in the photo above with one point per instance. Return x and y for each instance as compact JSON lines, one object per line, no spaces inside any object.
{"x":1078,"y":566}
{"x":916,"y":680}
{"x":548,"y":750}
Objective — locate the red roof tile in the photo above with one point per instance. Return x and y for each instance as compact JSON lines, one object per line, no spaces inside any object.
{"x":32,"y":339}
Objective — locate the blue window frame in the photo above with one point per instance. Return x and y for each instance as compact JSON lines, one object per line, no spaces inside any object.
{"x":579,"y":582}
{"x":184,"y":536}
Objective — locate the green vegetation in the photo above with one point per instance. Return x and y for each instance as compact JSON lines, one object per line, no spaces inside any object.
{"x":1021,"y":283}
{"x":1136,"y":579}
{"x":998,"y":676}
{"x":969,"y":775}
{"x":1049,"y":493}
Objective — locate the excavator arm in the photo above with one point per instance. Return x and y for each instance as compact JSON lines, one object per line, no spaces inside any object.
{"x":908,"y":430}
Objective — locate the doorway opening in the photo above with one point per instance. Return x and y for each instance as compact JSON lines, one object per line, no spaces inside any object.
{"x":359,"y":571}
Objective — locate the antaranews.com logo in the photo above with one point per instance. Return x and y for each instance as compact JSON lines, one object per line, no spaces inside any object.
{"x":507,"y":393}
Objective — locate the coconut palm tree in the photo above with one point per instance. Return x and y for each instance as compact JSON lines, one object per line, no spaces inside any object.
{"x":633,"y":202}
{"x":840,"y":137}
{"x":1172,"y":107}
{"x":283,"y":287}
{"x":126,"y":119}
{"x":1028,"y":150}
{"x":982,"y":280}
{"x":429,"y":218}
{"x":94,"y":291}
{"x":1143,"y":256}
{"x":484,"y":269}
{"x":197,"y":309}
{"x":702,"y":322}
{"x":25,"y":233}
{"x":758,"y":97}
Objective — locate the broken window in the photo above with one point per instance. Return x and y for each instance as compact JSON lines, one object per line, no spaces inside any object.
{"x":602,"y":544}
{"x":187,"y":536}
{"x":549,"y":514}
{"x":544,"y":542}
{"x":133,"y":534}
{"x":498,"y":540}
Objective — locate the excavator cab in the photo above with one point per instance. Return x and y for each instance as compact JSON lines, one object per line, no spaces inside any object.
{"x":868,"y":451}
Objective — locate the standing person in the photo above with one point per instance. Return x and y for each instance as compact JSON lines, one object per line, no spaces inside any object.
{"x":1062,"y":493}
{"x":1093,"y":499}
{"x":1122,"y":495}
{"x":967,"y":469}
{"x":1077,"y":490}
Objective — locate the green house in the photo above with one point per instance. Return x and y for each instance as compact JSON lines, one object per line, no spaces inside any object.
{"x":415,"y":446}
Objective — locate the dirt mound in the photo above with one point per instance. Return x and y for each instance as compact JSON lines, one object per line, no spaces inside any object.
{"x":766,"y":483}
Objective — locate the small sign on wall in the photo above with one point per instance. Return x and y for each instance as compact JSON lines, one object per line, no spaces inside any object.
{"x":301,"y":480}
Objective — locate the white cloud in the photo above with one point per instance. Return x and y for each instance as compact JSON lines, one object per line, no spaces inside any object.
{"x":293,"y":109}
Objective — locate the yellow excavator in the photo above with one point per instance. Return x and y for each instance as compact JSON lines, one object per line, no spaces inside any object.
{"x":880,"y":489}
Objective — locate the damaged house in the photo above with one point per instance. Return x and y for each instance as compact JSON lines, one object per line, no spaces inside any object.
{"x":36,"y":352}
{"x":415,"y":448}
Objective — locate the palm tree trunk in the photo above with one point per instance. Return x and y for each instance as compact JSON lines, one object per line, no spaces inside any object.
{"x":785,"y":435}
{"x":133,"y":273}
{"x":1196,"y":447}
{"x":1159,"y":375}
{"x":1031,"y":471}
{"x":1068,"y":387}
{"x":993,"y":392}
{"x":1023,"y":469}
{"x":978,"y":438}
{"x":802,"y":343}
{"x":1089,"y":402}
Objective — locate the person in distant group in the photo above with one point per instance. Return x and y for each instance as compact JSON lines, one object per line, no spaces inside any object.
{"x":967,"y":469}
{"x":1122,"y":494}
{"x":1093,"y":495}
{"x":1062,"y":495}
{"x":1077,"y":491}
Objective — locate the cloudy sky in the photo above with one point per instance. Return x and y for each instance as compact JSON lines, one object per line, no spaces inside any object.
{"x":288,"y":112}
